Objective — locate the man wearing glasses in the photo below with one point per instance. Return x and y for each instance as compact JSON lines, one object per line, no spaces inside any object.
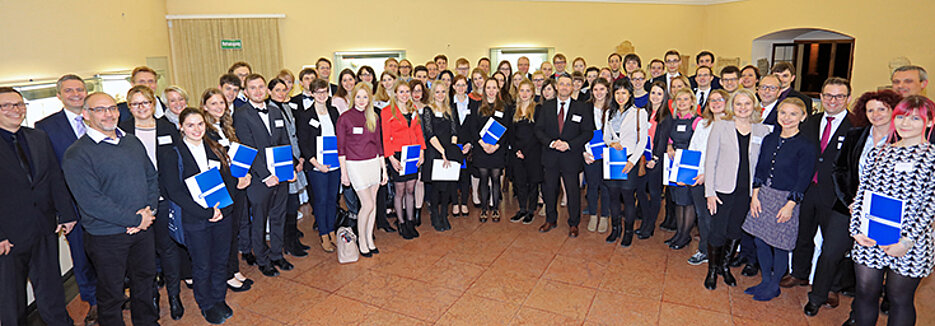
{"x":38,"y":206}
{"x":116,"y":189}
{"x":786,"y":73}
{"x":673,"y":60}
{"x":768,"y":91}
{"x":148,"y":77}
{"x":323,"y":66}
{"x":704,"y":76}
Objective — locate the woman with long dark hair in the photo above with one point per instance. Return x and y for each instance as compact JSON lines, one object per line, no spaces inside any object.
{"x":490,"y":159}
{"x":466,"y":109}
{"x":342,"y":99}
{"x":593,"y":169}
{"x":625,"y":126}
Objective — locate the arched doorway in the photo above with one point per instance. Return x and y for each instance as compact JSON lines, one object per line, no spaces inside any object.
{"x":816,"y":53}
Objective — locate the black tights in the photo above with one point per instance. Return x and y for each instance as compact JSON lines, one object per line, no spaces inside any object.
{"x":405,"y":198}
{"x":493,"y":176}
{"x":900,"y":290}
{"x":684,"y":220}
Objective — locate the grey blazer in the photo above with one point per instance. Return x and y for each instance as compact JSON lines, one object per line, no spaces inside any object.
{"x":723,"y":156}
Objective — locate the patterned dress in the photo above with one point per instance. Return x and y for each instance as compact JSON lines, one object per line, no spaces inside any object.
{"x":906,"y":173}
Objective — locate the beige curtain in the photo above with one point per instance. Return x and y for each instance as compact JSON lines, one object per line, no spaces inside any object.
{"x":198,"y":60}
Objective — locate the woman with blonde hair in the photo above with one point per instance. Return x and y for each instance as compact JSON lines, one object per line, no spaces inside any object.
{"x":440,"y":126}
{"x":525,"y":155}
{"x":176,"y":99}
{"x":384,"y":89}
{"x":402,"y":127}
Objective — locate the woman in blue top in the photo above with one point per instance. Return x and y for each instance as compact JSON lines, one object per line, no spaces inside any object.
{"x":783,"y":172}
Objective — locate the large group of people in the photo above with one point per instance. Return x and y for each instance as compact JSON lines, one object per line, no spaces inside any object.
{"x":773,"y":169}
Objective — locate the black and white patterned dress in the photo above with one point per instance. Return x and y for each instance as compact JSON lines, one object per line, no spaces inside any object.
{"x":906,"y":173}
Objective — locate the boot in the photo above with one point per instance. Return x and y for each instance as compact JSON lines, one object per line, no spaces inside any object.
{"x":436,"y":224}
{"x":615,"y":231}
{"x":332,"y":238}
{"x":602,"y":224}
{"x":412,"y":227}
{"x":592,"y":224}
{"x":326,"y":244}
{"x":418,"y":217}
{"x":735,"y":259}
{"x":176,"y":310}
{"x":714,"y":260}
{"x":443,"y":219}
{"x":726,"y":255}
{"x":627,"y":234}
{"x":404,"y":230}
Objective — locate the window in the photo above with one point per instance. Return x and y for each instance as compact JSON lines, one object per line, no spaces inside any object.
{"x":374,"y":59}
{"x":821,"y":60}
{"x":783,"y":52}
{"x":536,"y":57}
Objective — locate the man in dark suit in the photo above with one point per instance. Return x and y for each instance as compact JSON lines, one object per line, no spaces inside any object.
{"x":705,"y":59}
{"x":259,"y":125}
{"x":64,"y":128}
{"x":786,"y":73}
{"x":703,"y":87}
{"x":827,"y":131}
{"x":768,"y":91}
{"x":323,"y":66}
{"x":563,"y":128}
{"x":143,"y":75}
{"x":30,"y":174}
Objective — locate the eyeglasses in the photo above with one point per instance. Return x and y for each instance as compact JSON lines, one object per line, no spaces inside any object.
{"x":673,"y":61}
{"x":137,"y":105}
{"x":717,"y":100}
{"x":638,"y":79}
{"x":735,"y":79}
{"x":769,"y":88}
{"x":366,"y":74}
{"x":321,"y":91}
{"x":7,"y":107}
{"x":837,"y":97}
{"x":100,"y":109}
{"x":404,"y":66}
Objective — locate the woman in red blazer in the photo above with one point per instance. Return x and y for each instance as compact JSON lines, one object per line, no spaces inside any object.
{"x":401,"y":127}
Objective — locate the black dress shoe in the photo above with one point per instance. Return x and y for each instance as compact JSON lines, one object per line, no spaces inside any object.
{"x":283,"y":264}
{"x":160,"y":280}
{"x":214,"y":315}
{"x":190,"y":286}
{"x":750,"y":270}
{"x":249,"y":258}
{"x":388,"y":229}
{"x":295,"y":251}
{"x":366,"y":254}
{"x":885,"y":305}
{"x":301,"y":245}
{"x":375,"y":251}
{"x":530,"y":216}
{"x":300,"y":234}
{"x":849,"y":292}
{"x":176,"y":310}
{"x":679,"y":245}
{"x":156,"y":302}
{"x":228,"y":312}
{"x":811,"y":309}
{"x":518,"y":217}
{"x":643,"y":235}
{"x":242,"y":288}
{"x":269,"y":270}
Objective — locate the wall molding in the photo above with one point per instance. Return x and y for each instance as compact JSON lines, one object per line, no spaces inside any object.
{"x":226,"y":16}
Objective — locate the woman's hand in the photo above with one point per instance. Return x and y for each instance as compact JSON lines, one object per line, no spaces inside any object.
{"x":588,"y":158}
{"x":628,"y":167}
{"x":217,"y":214}
{"x":298,"y":167}
{"x":898,"y":249}
{"x":421,"y":159}
{"x":467,"y":148}
{"x":519,"y":155}
{"x":865,"y":241}
{"x":616,"y":146}
{"x":384,"y":178}
{"x":785,"y":213}
{"x":395,"y":163}
{"x":652,"y":164}
{"x":713,"y":201}
{"x":244,"y":181}
{"x":755,"y":206}
{"x":699,"y":179}
{"x":671,"y":151}
{"x":344,"y":179}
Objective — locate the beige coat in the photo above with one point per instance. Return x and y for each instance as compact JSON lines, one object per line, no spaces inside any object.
{"x":722,"y":156}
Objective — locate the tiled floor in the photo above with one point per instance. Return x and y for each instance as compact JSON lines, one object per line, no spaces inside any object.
{"x":509,"y":274}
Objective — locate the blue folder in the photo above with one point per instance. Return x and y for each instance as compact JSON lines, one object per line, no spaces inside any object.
{"x":463,"y":162}
{"x":492,"y":132}
{"x":596,"y":145}
{"x":648,"y":152}
{"x":685,"y":166}
{"x":328,"y":151}
{"x":882,"y":221}
{"x":409,"y":157}
{"x":614,"y":163}
{"x":241,"y":159}
{"x":279,"y":162}
{"x":208,"y":189}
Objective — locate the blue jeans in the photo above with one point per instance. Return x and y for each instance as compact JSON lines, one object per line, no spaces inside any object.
{"x":594,"y":176}
{"x":325,"y":198}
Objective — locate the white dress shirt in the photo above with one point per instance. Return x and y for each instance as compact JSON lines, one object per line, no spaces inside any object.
{"x":73,"y":122}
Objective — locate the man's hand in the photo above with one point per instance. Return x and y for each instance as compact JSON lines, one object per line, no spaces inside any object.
{"x":147,"y":218}
{"x":217,"y":214}
{"x":244,"y":182}
{"x":5,"y":247}
{"x":67,"y":227}
{"x":272,"y":181}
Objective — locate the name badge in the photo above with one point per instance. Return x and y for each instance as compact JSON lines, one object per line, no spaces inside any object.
{"x":905,"y":167}
{"x":314,"y":123}
{"x":498,"y":114}
{"x":576,"y":118}
{"x":164,"y":140}
{"x":468,"y":112}
{"x":306,"y":103}
{"x":840,"y":141}
{"x":225,"y":142}
{"x":278,"y":123}
{"x":358,"y":131}
{"x":439,"y":114}
{"x":214,"y":164}
{"x":770,"y":128}
{"x":680,"y":128}
{"x":293,"y":106}
{"x":756,"y":139}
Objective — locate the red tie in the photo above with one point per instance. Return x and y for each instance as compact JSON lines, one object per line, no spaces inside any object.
{"x":825,"y":137}
{"x":561,"y":116}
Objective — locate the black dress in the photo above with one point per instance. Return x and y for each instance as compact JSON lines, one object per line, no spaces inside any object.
{"x":523,"y":138}
{"x":497,"y":159}
{"x":442,"y":126}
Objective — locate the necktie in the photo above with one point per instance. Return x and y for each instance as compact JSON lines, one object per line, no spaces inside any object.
{"x":701,"y":98}
{"x":22,"y":158}
{"x":79,"y":121}
{"x":263,"y":109}
{"x":561,"y":116}
{"x":825,"y":137}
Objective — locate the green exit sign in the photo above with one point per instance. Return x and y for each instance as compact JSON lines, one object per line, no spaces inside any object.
{"x":232,"y":44}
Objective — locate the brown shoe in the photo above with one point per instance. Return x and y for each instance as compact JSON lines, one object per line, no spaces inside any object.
{"x":326,"y":244}
{"x":91,"y":318}
{"x":573,"y":232}
{"x":789,"y":281}
{"x":833,"y":300}
{"x":546,"y":227}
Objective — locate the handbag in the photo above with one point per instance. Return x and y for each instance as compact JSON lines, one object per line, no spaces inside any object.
{"x":347,"y":245}
{"x":176,"y":232}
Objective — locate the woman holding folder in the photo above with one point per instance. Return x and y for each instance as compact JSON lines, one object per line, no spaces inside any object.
{"x":625,"y":127}
{"x":489,"y":156}
{"x":207,"y":232}
{"x":440,"y":124}
{"x":901,"y":170}
{"x":315,"y":125}
{"x":402,"y":127}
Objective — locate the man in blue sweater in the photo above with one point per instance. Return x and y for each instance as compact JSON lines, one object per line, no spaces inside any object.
{"x":116,"y":189}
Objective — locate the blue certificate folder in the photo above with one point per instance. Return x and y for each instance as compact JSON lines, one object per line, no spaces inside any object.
{"x":207,"y":189}
{"x":492,"y":132}
{"x":409,"y":157}
{"x":279,"y":162}
{"x":328,"y":151}
{"x":596,"y":145}
{"x":881,"y":218}
{"x":614,"y":163}
{"x":241,"y":159}
{"x":463,"y":162}
{"x":685,"y":166}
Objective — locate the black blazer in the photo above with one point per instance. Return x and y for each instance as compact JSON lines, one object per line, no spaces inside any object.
{"x":307,"y":131}
{"x":125,"y":110}
{"x":845,"y":175}
{"x":465,"y":136}
{"x":794,"y":93}
{"x":811,"y":129}
{"x":773,"y":115}
{"x":576,"y":133}
{"x":251,"y":131}
{"x":661,"y":137}
{"x":715,"y":82}
{"x":32,"y":209}
{"x":193,"y":215}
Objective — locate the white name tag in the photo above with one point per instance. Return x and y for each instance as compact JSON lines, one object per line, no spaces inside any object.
{"x":576,"y":118}
{"x":905,"y":167}
{"x":225,"y":142}
{"x":439,"y":114}
{"x":770,"y":128}
{"x":314,"y":123}
{"x":164,"y":140}
{"x":293,"y":106}
{"x":358,"y":131}
{"x":498,"y":114}
{"x":468,"y":112}
{"x":306,"y":103}
{"x":756,"y":139}
{"x":840,"y":141}
{"x":214,"y":164}
{"x":680,"y":128}
{"x":278,"y":123}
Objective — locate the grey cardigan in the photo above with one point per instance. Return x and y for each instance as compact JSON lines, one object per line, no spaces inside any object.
{"x":723,"y":156}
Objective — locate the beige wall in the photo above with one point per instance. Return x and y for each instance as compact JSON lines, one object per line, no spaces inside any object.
{"x":48,"y":38}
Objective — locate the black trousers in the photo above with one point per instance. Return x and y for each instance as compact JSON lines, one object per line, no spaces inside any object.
{"x":244,"y":229}
{"x":836,"y":241}
{"x":649,"y":195}
{"x":727,"y":223}
{"x":37,"y":261}
{"x":167,"y":250}
{"x":240,"y":216}
{"x":115,"y":257}
{"x":272,"y":208}
{"x":464,"y":186}
{"x":550,"y":188}
{"x":813,"y":206}
{"x":526,"y":189}
{"x":210,"y":247}
{"x":291,"y":224}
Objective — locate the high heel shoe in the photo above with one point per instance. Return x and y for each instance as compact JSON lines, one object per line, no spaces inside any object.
{"x":496,"y":216}
{"x":483,"y":217}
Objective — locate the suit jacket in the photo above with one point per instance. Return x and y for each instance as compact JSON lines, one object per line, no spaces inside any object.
{"x":251,"y":131}
{"x":771,"y":118}
{"x":577,"y":130}
{"x":715,"y":82}
{"x":193,"y":215}
{"x":812,"y":130}
{"x":59,"y":130}
{"x":723,"y":156}
{"x":845,"y":169}
{"x":308,"y":131}
{"x":794,"y":93}
{"x":32,"y":209}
